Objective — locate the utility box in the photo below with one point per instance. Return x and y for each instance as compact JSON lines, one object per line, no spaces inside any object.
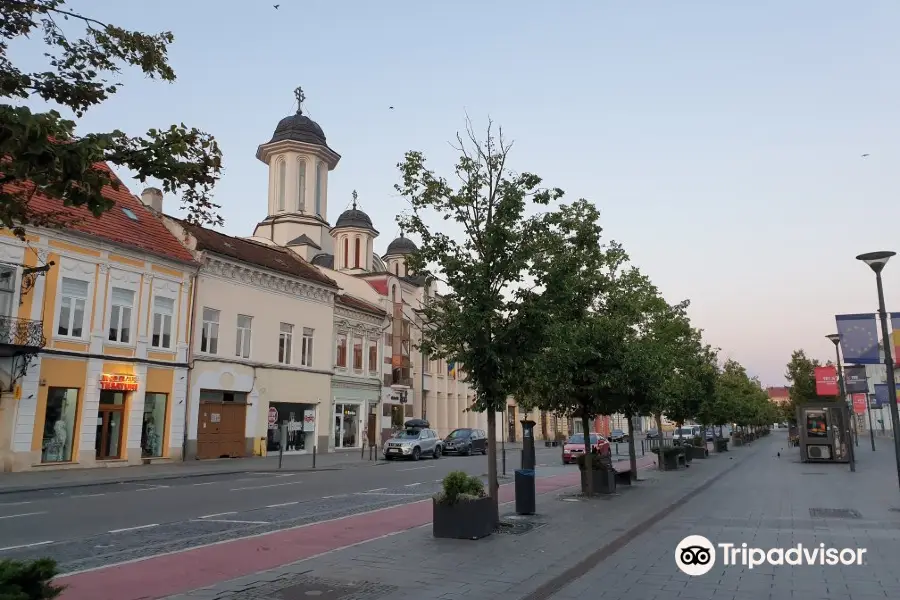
{"x":824,"y":432}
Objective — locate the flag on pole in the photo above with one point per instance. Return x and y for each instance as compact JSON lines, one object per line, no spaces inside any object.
{"x":895,"y":336}
{"x":451,"y":369}
{"x":859,"y":338}
{"x":855,"y":380}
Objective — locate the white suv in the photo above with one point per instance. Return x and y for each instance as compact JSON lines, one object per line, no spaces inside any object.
{"x":414,"y":444}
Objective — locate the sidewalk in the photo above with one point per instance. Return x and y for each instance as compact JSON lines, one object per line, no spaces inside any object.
{"x":395,"y":550}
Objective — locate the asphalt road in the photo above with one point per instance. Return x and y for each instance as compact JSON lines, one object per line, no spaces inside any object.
{"x":85,"y":528}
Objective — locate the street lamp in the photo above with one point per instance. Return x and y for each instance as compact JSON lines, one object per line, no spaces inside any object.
{"x":877,"y":260}
{"x":836,"y":340}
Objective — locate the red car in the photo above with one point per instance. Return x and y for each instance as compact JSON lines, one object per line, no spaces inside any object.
{"x":574,"y":447}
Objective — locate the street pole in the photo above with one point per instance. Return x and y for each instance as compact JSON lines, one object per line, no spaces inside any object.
{"x":877,"y":260}
{"x":836,"y":338}
{"x":871,"y":429}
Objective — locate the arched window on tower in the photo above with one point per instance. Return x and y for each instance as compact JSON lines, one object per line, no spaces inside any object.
{"x":301,"y":184}
{"x":397,"y":269}
{"x":280,"y":182}
{"x":393,"y":293}
{"x":356,"y":265}
{"x":346,"y":252}
{"x":320,"y":187}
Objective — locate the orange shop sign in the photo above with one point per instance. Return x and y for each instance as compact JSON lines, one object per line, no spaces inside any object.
{"x":118,"y":382}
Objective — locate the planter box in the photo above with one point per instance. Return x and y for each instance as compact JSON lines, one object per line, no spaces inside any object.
{"x":737,"y":442}
{"x":686,"y":452}
{"x":721,"y":445}
{"x":604,"y":482}
{"x":671,"y":460}
{"x":465,"y":520}
{"x":698,"y":452}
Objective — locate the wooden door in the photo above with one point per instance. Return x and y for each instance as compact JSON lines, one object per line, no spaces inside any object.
{"x":221,"y":430}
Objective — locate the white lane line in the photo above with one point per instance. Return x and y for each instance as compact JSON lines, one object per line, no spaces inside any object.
{"x":335,"y":496}
{"x":26,"y":546}
{"x":412,"y":484}
{"x":233,"y":512}
{"x":375,"y":490}
{"x":43,"y":512}
{"x":417,"y":468}
{"x":259,"y":487}
{"x":233,"y":521}
{"x":438,"y":480}
{"x":156,"y":487}
{"x":282,"y":504}
{"x":287,"y":475}
{"x":205,"y":483}
{"x":15,"y":504}
{"x":88,"y":495}
{"x":384,"y":494}
{"x":134,"y":528}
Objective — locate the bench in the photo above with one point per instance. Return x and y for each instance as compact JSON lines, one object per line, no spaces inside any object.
{"x":623,"y":477}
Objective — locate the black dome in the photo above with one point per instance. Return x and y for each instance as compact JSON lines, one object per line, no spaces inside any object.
{"x":354,"y":218}
{"x":299,"y":128}
{"x":402,"y":245}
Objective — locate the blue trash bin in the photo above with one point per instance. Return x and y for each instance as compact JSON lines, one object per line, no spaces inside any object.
{"x":525,"y":492}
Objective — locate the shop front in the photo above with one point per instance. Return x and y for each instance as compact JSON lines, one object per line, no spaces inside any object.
{"x":295,"y":421}
{"x":354,"y":412}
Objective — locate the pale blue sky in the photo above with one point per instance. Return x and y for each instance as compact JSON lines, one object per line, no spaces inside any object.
{"x":721,"y":139}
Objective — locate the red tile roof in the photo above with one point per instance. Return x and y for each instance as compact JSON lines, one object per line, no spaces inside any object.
{"x":147,"y":234}
{"x":262,"y":255}
{"x":357,"y":304}
{"x":379,"y":285}
{"x":779,"y":392}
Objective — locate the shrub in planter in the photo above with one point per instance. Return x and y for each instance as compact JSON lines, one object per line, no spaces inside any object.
{"x":698,"y":451}
{"x":668,"y":457}
{"x":462,"y":511}
{"x":28,"y":580}
{"x":721,"y":444}
{"x":603,"y":475}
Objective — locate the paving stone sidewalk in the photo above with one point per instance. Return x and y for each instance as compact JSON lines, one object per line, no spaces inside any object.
{"x":506,"y":566}
{"x":771,"y":502}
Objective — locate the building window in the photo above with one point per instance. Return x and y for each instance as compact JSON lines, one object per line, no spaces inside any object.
{"x":357,"y":354}
{"x":7,"y":288}
{"x":373,"y":357}
{"x":242,"y":345}
{"x":346,"y":252}
{"x":280,"y":183}
{"x":59,"y":425}
{"x":341,"y":358}
{"x":154,"y":426}
{"x":163,"y":311}
{"x":393,"y":293}
{"x":397,"y":269}
{"x":209,"y":334}
{"x":71,"y":308}
{"x":306,"y":348}
{"x":357,"y":254}
{"x":301,"y":185}
{"x":320,"y":187}
{"x":285,"y":342}
{"x":122,"y":301}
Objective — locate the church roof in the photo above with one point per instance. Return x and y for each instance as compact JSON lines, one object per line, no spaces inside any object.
{"x":401,"y":245}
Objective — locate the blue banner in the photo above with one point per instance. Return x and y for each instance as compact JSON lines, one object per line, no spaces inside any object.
{"x":881,"y":395}
{"x":859,"y":338}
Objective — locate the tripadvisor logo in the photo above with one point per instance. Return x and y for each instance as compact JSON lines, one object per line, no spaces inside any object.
{"x":695,"y":555}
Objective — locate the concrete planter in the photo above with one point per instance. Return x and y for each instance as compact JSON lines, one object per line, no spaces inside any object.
{"x":721,"y":445}
{"x":603,"y":482}
{"x":465,"y":520}
{"x":698,"y":452}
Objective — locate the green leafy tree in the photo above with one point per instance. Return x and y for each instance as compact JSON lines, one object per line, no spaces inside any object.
{"x":41,"y":152}
{"x":801,"y":376}
{"x":489,"y":319}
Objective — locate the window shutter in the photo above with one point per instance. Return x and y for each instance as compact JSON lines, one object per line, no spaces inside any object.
{"x":121,"y":296}
{"x":74,"y":287}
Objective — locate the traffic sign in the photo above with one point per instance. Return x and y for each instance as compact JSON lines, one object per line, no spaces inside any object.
{"x":273,"y":415}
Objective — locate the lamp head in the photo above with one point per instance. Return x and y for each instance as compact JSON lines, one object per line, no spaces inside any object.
{"x":835,"y":338}
{"x":876,"y":260}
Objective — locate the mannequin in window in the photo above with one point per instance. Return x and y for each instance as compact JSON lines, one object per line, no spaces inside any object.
{"x":56,"y":446}
{"x":150,"y":437}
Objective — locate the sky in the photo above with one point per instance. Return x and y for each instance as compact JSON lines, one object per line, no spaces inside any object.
{"x":722,"y":141}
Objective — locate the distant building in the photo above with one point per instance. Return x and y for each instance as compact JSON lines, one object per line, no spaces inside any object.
{"x":779,"y":395}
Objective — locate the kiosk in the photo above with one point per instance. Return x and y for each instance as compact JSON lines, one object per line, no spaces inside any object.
{"x":824,"y":429}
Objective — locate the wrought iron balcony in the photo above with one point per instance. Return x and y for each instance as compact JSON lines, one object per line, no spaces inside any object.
{"x":18,"y":336}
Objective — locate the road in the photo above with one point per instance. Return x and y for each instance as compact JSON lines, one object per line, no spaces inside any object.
{"x":89,"y":527}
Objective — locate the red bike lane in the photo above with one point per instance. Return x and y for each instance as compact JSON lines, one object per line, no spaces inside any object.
{"x":182,"y":571}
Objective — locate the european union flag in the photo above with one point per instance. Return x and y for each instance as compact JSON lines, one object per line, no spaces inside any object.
{"x":859,"y":338}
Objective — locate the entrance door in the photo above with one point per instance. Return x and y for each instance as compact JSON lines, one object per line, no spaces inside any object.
{"x":110,"y":417}
{"x":346,"y":426}
{"x":221,"y":431}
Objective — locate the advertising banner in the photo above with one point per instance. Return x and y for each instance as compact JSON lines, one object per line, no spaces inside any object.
{"x":859,"y":338}
{"x":855,"y":380}
{"x":859,"y":403}
{"x":882,"y":394}
{"x":895,"y":336}
{"x":826,"y":381}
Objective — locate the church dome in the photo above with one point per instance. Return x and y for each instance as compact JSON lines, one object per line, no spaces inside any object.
{"x":354,"y":218}
{"x":401,"y":245}
{"x":299,"y":128}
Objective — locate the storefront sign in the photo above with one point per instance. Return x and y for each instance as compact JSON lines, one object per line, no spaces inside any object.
{"x":118,"y":382}
{"x":826,"y":381}
{"x":859,"y":403}
{"x":309,"y":417}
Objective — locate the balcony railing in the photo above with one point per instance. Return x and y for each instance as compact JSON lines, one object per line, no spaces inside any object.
{"x":22,"y":333}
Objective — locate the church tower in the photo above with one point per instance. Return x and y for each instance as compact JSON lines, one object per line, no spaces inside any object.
{"x":354,"y":238}
{"x":395,"y":257}
{"x":299,"y":161}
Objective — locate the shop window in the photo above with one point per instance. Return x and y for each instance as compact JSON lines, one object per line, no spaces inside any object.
{"x":122,"y":304}
{"x":209,"y":334}
{"x":397,"y":418}
{"x":373,"y":357}
{"x":59,"y":425}
{"x":340,"y":359}
{"x":357,"y":354}
{"x":285,"y":343}
{"x":7,"y":288}
{"x":242,"y":344}
{"x":72,"y":302}
{"x":154,"y":425}
{"x":306,"y":348}
{"x":163,"y":312}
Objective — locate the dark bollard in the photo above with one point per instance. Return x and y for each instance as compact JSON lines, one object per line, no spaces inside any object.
{"x":282,"y":443}
{"x":314,"y":456}
{"x":526,"y":493}
{"x":362,"y":452}
{"x":503,"y":460}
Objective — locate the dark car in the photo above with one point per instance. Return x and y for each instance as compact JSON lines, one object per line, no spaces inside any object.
{"x":617,"y":435}
{"x":466,"y":441}
{"x":652,"y":434}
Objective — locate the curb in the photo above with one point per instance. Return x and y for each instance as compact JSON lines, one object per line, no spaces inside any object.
{"x":548,"y":589}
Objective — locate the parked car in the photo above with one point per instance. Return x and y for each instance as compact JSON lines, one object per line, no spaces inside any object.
{"x":465,"y":441}
{"x":653,"y":434}
{"x":685,"y":434}
{"x":414,"y":443}
{"x":617,"y":435}
{"x":574,"y":447}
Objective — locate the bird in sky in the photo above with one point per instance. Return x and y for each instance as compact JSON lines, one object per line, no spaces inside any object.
{"x":864,"y":155}
{"x":390,"y":108}
{"x":276,"y":6}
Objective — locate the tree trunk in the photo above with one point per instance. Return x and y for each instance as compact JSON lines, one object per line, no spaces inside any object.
{"x":493,"y":487}
{"x":632,"y":456}
{"x":589,"y":488}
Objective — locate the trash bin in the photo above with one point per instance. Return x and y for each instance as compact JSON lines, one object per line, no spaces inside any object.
{"x":525,"y":492}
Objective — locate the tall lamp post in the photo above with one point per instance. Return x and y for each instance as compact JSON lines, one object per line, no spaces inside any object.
{"x":836,"y":339}
{"x":877,"y":260}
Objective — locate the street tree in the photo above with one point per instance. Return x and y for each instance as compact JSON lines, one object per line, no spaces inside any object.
{"x":800,"y":373}
{"x":41,"y":151}
{"x":487,"y":318}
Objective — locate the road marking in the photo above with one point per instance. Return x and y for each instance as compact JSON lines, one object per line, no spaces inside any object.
{"x":375,"y":490}
{"x":134,"y":528}
{"x":155,"y":487}
{"x":259,"y":487}
{"x":89,"y":495}
{"x":335,"y":496}
{"x":287,"y":475}
{"x":412,"y":484}
{"x":26,"y":546}
{"x":230,"y":521}
{"x":15,"y":503}
{"x":43,"y":512}
{"x":205,"y":483}
{"x":233,"y":512}
{"x":383,"y":494}
{"x":282,"y":504}
{"x":417,"y":468}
